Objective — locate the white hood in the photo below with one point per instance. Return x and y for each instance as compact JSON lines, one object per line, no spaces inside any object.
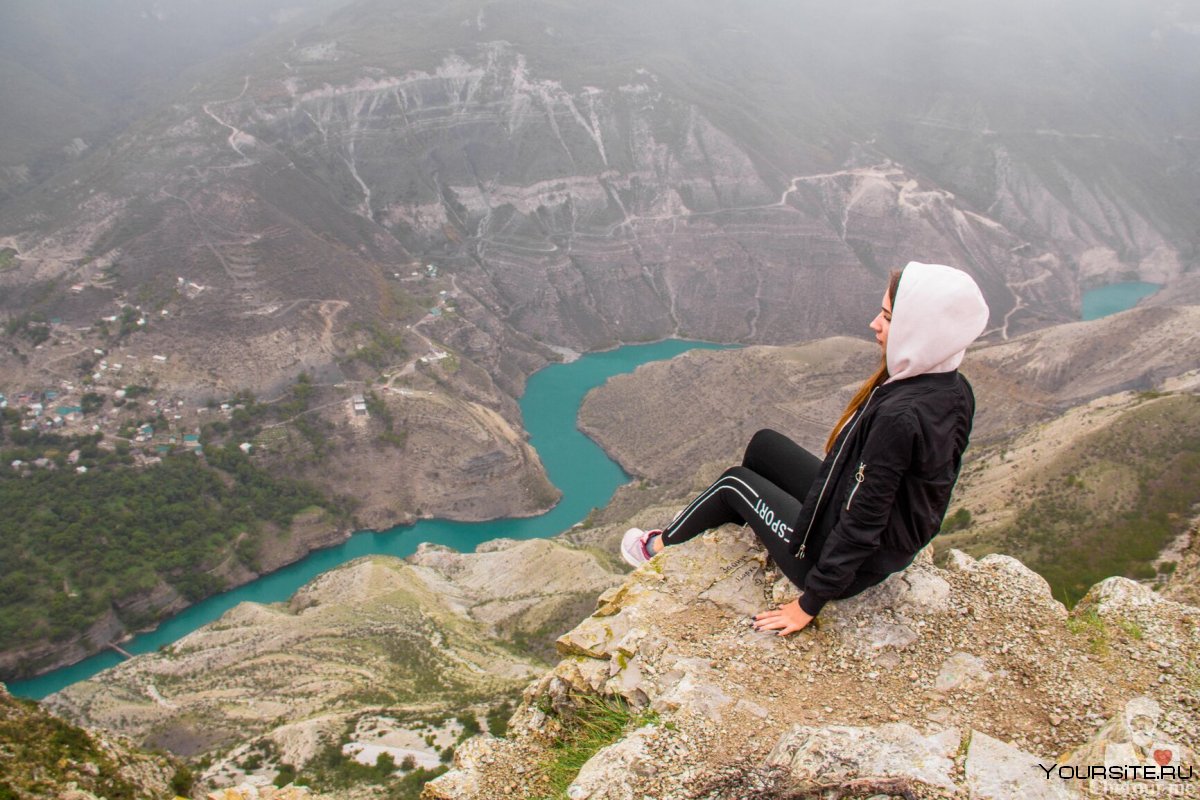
{"x":937,"y":312}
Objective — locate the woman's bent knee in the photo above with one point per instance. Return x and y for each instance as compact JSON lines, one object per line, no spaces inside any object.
{"x":762,"y":443}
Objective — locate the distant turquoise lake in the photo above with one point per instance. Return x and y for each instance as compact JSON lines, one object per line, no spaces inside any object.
{"x":584,"y":474}
{"x":1114,"y":298}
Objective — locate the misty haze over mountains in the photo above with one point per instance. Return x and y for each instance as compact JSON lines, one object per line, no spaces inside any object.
{"x":77,"y":73}
{"x":595,"y":175}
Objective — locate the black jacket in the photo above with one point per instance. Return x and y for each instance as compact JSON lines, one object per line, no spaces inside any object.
{"x":883,"y":489}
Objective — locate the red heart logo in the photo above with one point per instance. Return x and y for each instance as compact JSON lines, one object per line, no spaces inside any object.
{"x":1163,"y":757}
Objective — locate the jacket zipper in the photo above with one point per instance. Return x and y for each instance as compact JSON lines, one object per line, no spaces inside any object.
{"x":859,"y":477}
{"x":861,"y":413}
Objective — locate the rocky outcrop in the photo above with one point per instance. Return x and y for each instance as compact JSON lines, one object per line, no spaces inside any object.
{"x":525,"y":592}
{"x":963,"y":681}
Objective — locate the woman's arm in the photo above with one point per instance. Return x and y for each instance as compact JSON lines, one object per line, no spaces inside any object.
{"x":885,"y":459}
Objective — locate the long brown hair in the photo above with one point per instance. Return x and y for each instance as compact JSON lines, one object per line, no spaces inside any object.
{"x":872,"y":383}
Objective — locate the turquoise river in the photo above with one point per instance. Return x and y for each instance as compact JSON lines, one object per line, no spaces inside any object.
{"x":575,"y":464}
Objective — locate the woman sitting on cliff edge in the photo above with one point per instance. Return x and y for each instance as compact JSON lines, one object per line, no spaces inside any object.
{"x":838,"y":526}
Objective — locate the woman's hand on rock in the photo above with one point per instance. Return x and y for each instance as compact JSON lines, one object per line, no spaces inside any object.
{"x":786,"y":619}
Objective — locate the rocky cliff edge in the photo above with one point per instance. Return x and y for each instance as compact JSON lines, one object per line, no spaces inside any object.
{"x":962,"y":681}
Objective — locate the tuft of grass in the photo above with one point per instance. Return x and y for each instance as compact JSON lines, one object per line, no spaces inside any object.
{"x":596,"y":723}
{"x":1089,"y":624}
{"x":1131,"y":629}
{"x":964,"y":746}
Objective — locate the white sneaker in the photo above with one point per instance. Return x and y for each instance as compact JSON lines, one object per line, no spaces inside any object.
{"x":633,"y":546}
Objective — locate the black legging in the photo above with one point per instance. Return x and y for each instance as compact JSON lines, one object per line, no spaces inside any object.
{"x":765,"y":492}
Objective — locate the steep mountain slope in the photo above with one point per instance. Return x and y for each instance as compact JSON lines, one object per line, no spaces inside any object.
{"x":105,"y":535}
{"x":656,"y":169}
{"x":1079,"y":361}
{"x":416,"y":642}
{"x":1101,"y":490}
{"x":43,"y":756}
